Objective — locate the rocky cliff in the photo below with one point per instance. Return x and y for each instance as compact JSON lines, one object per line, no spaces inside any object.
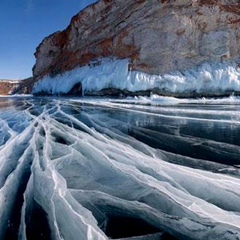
{"x":157,"y":36}
{"x":9,"y":87}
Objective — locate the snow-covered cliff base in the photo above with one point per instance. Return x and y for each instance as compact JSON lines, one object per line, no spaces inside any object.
{"x":113,"y":77}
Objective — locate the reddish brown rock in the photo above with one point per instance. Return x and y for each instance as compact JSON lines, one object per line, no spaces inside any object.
{"x":6,"y":86}
{"x":158,"y":36}
{"x":9,"y":87}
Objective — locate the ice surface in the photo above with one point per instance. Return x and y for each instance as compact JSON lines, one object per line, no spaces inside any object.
{"x":210,"y":78}
{"x":85,"y":165}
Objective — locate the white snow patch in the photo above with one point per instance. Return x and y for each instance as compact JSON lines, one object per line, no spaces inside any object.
{"x":108,"y":73}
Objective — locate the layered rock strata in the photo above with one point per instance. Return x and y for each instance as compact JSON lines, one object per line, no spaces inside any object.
{"x":157,"y":36}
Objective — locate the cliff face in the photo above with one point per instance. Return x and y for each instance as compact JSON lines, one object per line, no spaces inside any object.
{"x":158,"y":36}
{"x":8,"y":87}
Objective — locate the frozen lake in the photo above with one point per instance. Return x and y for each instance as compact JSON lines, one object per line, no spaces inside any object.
{"x":99,"y":168}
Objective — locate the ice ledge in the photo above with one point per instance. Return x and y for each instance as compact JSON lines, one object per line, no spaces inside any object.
{"x":112,"y":76}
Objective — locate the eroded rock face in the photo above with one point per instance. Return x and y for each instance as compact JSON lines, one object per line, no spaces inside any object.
{"x":8,"y":87}
{"x":158,"y":36}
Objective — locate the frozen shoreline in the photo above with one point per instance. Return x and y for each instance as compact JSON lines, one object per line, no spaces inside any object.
{"x":112,"y":77}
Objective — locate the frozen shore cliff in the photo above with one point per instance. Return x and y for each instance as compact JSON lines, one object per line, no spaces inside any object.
{"x":171,"y":47}
{"x":10,"y":87}
{"x":7,"y":86}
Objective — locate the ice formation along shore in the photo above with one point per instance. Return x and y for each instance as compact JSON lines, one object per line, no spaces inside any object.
{"x":206,"y":80}
{"x":75,"y":170}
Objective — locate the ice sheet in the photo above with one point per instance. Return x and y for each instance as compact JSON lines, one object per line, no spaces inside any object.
{"x":82,"y":168}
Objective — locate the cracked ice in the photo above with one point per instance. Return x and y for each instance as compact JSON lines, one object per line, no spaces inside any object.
{"x":107,"y":168}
